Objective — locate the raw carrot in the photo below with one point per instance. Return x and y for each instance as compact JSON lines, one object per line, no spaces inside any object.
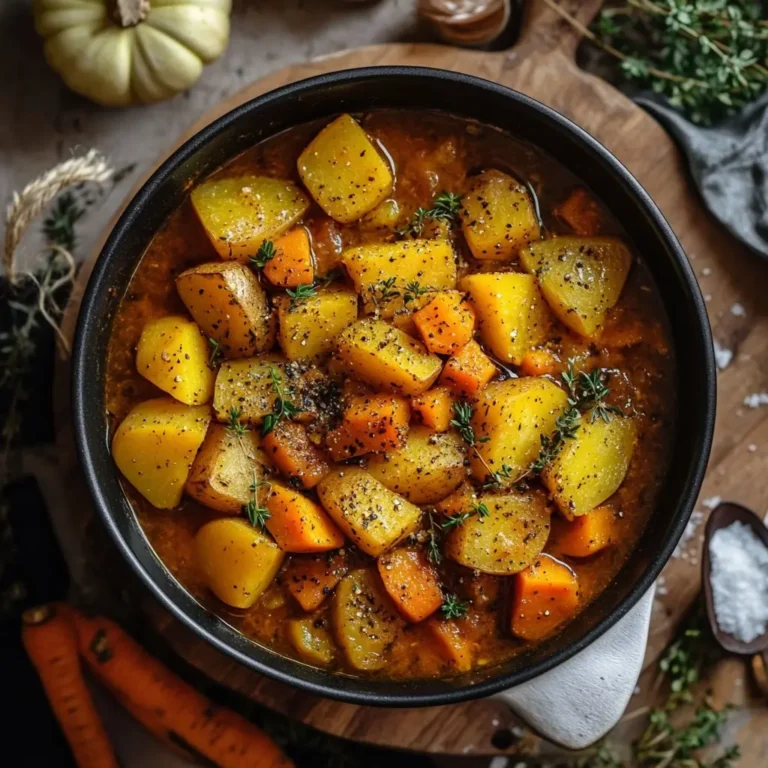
{"x":292,"y":264}
{"x":220,"y":735}
{"x":434,"y":408}
{"x":311,"y":579}
{"x":51,"y":644}
{"x":289,"y":448}
{"x":446,"y":323}
{"x":469,"y":371}
{"x":411,"y":582}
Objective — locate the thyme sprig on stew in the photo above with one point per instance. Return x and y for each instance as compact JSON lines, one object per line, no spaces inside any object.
{"x":384,"y":291}
{"x":256,"y":514}
{"x":283,"y":408}
{"x":566,"y":426}
{"x":215,"y":356}
{"x":264,"y":255}
{"x":453,"y":521}
{"x":301,"y":294}
{"x":453,"y":608}
{"x":234,"y":425}
{"x":413,"y":290}
{"x":434,"y":553}
{"x":445,"y":207}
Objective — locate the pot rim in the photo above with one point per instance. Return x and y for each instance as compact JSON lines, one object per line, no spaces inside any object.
{"x":423,"y":692}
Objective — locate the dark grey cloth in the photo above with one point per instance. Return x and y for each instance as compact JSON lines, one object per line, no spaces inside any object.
{"x":729,"y":165}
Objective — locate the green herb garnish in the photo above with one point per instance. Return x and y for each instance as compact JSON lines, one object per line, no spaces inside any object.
{"x":301,"y":294}
{"x":283,"y":408}
{"x":384,"y":290}
{"x":413,"y":290}
{"x":445,"y":207}
{"x":453,"y":608}
{"x":256,"y":514}
{"x":215,"y":357}
{"x":264,"y":255}
{"x":234,"y":425}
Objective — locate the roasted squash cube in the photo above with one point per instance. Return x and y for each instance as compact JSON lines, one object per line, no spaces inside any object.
{"x":173,"y":355}
{"x":509,"y":420}
{"x":382,"y":271}
{"x":311,"y":578}
{"x":434,"y":408}
{"x":469,"y":371}
{"x":289,"y":448}
{"x":452,"y":646}
{"x":309,"y":330}
{"x":587,"y":534}
{"x":374,"y":517}
{"x":581,"y":278}
{"x":224,"y":470}
{"x":230,"y":306}
{"x":411,"y":582}
{"x":446,"y":323}
{"x":344,"y":172}
{"x":498,"y":216}
{"x":292,"y":263}
{"x":155,"y":445}
{"x":591,"y":467}
{"x":462,"y":500}
{"x":386,"y":358}
{"x":511,"y":313}
{"x":239,"y":214}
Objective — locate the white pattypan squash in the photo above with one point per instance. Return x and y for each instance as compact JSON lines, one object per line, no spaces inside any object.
{"x":119,"y":52}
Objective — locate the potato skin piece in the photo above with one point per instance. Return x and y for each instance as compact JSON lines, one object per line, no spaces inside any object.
{"x":365,"y":621}
{"x":386,"y":358}
{"x":426,"y":469}
{"x":224,"y":469}
{"x":339,"y":159}
{"x":239,"y":214}
{"x":581,"y":278}
{"x":247,"y":385}
{"x":237,"y":560}
{"x":374,"y":517}
{"x":498,"y":217}
{"x":230,"y":306}
{"x":510,"y":417}
{"x":155,"y":445}
{"x":506,"y":540}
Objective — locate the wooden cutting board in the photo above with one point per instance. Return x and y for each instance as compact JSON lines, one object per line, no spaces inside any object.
{"x":542,"y":65}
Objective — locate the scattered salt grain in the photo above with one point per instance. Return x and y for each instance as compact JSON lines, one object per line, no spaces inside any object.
{"x":752,"y":448}
{"x":707,"y":297}
{"x":723,"y":356}
{"x":706,"y":272}
{"x":712,"y":502}
{"x":661,"y":587}
{"x":739,"y":579}
{"x":756,"y":399}
{"x":737,"y":310}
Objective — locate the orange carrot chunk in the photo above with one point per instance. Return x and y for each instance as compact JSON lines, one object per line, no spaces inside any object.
{"x":541,"y":362}
{"x":461,"y":500}
{"x":218,"y":734}
{"x":298,"y":524}
{"x":469,"y":371}
{"x":581,"y":213}
{"x":292,"y":263}
{"x":589,"y":533}
{"x":455,"y":649}
{"x":446,"y":323}
{"x":411,"y":582}
{"x":544,"y":596}
{"x":371,"y":424}
{"x":289,"y":448}
{"x":312,"y":578}
{"x":434,"y":409}
{"x":51,"y":644}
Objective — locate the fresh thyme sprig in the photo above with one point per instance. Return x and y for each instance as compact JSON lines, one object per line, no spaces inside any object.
{"x":256,"y":514}
{"x":234,"y":425}
{"x":283,"y":408}
{"x":588,"y":391}
{"x":413,"y":290}
{"x":384,"y":291}
{"x":566,"y":427}
{"x":445,"y":207}
{"x":301,"y":294}
{"x":264,"y":255}
{"x":215,"y":357}
{"x":434,"y":553}
{"x":453,"y":608}
{"x":452,"y":521}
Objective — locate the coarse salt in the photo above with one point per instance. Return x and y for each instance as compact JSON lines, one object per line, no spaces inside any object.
{"x":712,"y":502}
{"x":756,"y":399}
{"x":737,"y":310}
{"x":739,"y":580}
{"x":723,"y":356}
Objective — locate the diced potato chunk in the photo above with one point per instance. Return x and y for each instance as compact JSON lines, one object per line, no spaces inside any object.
{"x":311,"y":640}
{"x":511,"y":312}
{"x":308,"y":331}
{"x":369,"y":513}
{"x":238,"y":561}
{"x":592,"y":466}
{"x":247,"y":385}
{"x":230,"y":307}
{"x":365,"y":622}
{"x":426,"y":469}
{"x":311,"y":578}
{"x":155,"y":445}
{"x":225,"y":468}
{"x":344,"y":172}
{"x":581,"y":278}
{"x":498,"y":216}
{"x":509,"y":419}
{"x":173,"y":355}
{"x":239,"y":214}
{"x":506,"y":540}
{"x":430,"y":263}
{"x":463,"y":499}
{"x":386,"y":358}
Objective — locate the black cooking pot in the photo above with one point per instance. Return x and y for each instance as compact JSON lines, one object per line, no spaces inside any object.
{"x":415,"y":88}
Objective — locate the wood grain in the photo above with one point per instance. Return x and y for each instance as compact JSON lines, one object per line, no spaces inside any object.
{"x":542,"y":65}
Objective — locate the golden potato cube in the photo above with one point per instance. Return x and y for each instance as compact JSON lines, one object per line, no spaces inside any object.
{"x":226,"y":467}
{"x":368,"y":512}
{"x":247,"y":385}
{"x":509,"y":420}
{"x":344,"y":172}
{"x":365,"y":620}
{"x":581,"y":278}
{"x":507,"y":539}
{"x":230,"y":307}
{"x":426,"y":469}
{"x":239,"y":214}
{"x":498,"y":216}
{"x":387,"y":358}
{"x":592,"y":466}
{"x":311,"y":640}
{"x":174,"y":356}
{"x":511,"y":313}
{"x":308,"y":331}
{"x":237,"y":560}
{"x":430,"y":263}
{"x":155,"y":445}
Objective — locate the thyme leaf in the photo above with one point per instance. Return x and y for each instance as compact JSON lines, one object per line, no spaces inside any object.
{"x":453,"y":608}
{"x":284,"y":407}
{"x":445,"y":207}
{"x":264,"y":255}
{"x":301,"y":294}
